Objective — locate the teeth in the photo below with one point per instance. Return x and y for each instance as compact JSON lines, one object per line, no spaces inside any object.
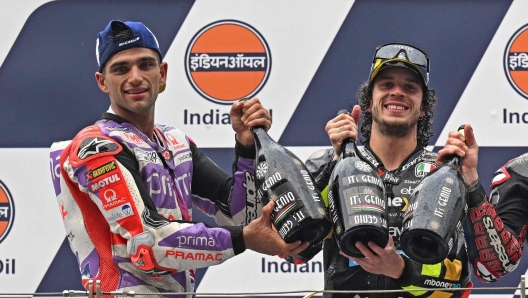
{"x":395,"y":107}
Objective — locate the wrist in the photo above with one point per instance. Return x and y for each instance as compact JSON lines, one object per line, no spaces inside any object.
{"x":472,"y":186}
{"x":470,"y":175}
{"x":398,"y":269}
{"x":244,"y":151}
{"x":237,"y":238}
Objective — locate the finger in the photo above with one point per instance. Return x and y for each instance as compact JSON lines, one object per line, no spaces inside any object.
{"x":236,"y":109}
{"x":377,"y":250}
{"x":390,"y":244}
{"x":356,"y":113}
{"x":346,"y":256}
{"x":470,"y":136}
{"x":365,"y":250}
{"x":266,"y":212}
{"x":256,"y":112}
{"x":297,"y":247}
{"x":456,"y":135}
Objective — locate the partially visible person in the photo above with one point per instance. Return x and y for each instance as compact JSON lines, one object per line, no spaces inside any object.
{"x":495,"y":226}
{"x":128,"y":186}
{"x":396,"y":107}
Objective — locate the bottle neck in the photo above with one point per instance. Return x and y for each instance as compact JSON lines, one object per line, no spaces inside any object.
{"x":262,"y":139}
{"x":454,"y":160}
{"x":349,"y":148}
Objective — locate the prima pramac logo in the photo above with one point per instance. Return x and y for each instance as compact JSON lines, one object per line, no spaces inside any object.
{"x":516,"y":61}
{"x":7,"y":211}
{"x":227,"y":60}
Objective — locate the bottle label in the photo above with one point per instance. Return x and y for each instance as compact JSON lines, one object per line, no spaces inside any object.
{"x":292,"y":221}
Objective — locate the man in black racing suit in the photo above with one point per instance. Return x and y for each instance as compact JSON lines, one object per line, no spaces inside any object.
{"x":495,"y":228}
{"x":396,"y":111}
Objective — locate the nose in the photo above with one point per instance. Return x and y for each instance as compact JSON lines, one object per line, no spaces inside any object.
{"x":397,"y":91}
{"x":135,"y":77}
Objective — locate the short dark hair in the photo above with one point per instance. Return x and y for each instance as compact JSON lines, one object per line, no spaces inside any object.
{"x":425,"y":123}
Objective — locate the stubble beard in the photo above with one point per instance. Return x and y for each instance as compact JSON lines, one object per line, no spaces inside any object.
{"x":397,"y":129}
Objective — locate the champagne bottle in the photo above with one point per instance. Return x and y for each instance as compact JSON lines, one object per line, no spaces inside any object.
{"x":357,"y":201}
{"x":299,"y":212}
{"x":433,"y":220}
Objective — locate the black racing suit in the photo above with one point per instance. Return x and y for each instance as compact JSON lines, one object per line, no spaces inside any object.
{"x":344,"y":274}
{"x":496,"y":230}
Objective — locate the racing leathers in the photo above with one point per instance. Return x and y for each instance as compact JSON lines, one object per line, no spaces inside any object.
{"x":496,"y":228}
{"x":341,"y":273}
{"x":126,"y":203}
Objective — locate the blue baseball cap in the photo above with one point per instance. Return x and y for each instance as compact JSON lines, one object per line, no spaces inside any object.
{"x":108,"y":44}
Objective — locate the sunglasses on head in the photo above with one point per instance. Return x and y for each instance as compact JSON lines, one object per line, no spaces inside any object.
{"x":403,"y":51}
{"x":394,"y":50}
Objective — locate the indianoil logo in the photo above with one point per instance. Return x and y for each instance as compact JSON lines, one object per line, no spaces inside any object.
{"x":7,"y":211}
{"x":227,"y":60}
{"x":516,"y":61}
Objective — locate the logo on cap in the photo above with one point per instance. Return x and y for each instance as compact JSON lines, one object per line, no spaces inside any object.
{"x":227,"y":60}
{"x":516,"y":61}
{"x":7,"y":211}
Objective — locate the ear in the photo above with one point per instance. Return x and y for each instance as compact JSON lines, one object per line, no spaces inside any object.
{"x":164,"y":67}
{"x":422,"y":110}
{"x":101,"y":82}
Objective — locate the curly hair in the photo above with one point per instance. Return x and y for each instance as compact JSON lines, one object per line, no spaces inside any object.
{"x":425,"y":123}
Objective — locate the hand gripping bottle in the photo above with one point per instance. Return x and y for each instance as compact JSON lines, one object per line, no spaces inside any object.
{"x":357,"y":201}
{"x":299,"y":212}
{"x":433,"y":220}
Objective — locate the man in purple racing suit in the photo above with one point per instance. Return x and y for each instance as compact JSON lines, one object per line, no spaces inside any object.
{"x":127,"y":185}
{"x":495,"y":228}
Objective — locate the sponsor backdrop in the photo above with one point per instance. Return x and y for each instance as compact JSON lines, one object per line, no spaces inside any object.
{"x":303,"y":58}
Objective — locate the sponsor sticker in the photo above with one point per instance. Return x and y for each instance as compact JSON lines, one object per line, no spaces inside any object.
{"x":115,"y":196}
{"x":175,"y":144}
{"x":423,"y":169}
{"x":148,"y":156}
{"x":104,"y":169}
{"x":119,"y":212}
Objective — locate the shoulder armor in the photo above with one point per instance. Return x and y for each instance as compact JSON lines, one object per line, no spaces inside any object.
{"x":518,"y":165}
{"x":91,"y":143}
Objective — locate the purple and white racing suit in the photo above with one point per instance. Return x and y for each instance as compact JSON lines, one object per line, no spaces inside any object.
{"x":126,"y":202}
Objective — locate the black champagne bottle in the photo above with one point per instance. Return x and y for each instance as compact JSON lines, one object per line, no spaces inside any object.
{"x":357,"y":201}
{"x":299,"y":212}
{"x":433,"y":220}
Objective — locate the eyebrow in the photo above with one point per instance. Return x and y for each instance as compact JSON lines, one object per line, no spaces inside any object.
{"x":141,"y":59}
{"x":412,"y":79}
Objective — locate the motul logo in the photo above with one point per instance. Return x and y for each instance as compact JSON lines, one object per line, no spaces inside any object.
{"x":105,"y":182}
{"x":196,"y":256}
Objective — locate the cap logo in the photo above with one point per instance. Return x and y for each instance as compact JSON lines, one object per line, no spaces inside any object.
{"x":227,"y":60}
{"x":129,"y":41}
{"x":402,"y":55}
{"x":516,"y":61}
